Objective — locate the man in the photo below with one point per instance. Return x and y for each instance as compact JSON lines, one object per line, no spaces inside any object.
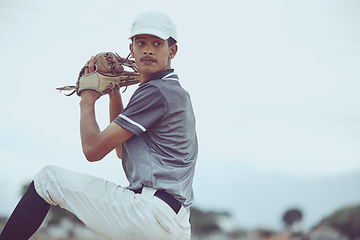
{"x":155,"y":138}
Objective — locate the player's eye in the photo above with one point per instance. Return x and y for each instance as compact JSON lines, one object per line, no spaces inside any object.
{"x":140,"y":43}
{"x":157,"y":43}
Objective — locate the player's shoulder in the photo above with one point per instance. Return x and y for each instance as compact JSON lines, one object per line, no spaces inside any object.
{"x":164,"y":83}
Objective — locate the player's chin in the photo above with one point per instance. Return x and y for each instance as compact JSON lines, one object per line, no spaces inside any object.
{"x":148,"y":68}
{"x":151,"y":68}
{"x":147,"y":65}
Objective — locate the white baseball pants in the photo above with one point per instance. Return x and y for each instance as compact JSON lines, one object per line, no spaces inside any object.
{"x":111,"y":210}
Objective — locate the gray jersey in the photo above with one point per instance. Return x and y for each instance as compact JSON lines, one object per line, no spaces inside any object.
{"x":162,"y":153}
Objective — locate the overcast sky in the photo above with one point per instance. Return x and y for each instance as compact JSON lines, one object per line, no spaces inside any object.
{"x":274,"y":84}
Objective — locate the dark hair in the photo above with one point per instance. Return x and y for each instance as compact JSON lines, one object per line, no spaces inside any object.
{"x":171,"y":41}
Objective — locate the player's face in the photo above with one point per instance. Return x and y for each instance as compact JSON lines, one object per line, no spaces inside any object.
{"x":152,"y":55}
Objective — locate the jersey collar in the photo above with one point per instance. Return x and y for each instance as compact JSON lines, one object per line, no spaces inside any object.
{"x":166,"y":74}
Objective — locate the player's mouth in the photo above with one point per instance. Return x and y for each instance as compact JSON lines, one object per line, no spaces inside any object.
{"x":147,"y":59}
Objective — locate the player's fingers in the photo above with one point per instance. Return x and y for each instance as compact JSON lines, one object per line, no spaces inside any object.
{"x":86,"y":70}
{"x":91,"y":64}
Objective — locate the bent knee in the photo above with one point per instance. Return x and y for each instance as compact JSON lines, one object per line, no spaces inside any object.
{"x":47,"y":185}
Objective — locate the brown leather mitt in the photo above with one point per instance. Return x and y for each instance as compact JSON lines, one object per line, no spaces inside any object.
{"x":109,"y":75}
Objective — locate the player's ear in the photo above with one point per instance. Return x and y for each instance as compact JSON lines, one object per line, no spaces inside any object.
{"x":173,"y":50}
{"x":131,"y":47}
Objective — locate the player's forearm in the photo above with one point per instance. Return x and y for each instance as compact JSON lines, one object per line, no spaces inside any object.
{"x":89,"y":129}
{"x":115,"y":106}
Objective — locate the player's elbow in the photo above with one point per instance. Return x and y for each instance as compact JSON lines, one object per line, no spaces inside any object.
{"x":92,"y":157}
{"x":92,"y":154}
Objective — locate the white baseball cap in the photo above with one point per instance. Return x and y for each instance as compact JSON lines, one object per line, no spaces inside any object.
{"x":154,"y":23}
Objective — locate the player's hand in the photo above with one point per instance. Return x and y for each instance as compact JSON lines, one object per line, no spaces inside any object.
{"x":90,"y":95}
{"x":91,"y":67}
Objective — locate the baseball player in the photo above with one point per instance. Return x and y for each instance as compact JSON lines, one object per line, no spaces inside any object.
{"x":155,"y":137}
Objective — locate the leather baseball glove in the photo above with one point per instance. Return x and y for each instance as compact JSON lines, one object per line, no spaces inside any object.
{"x":109,"y":75}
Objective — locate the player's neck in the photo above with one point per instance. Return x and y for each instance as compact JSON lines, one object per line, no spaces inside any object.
{"x":146,"y":76}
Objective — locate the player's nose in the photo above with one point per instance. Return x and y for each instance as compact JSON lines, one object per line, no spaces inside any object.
{"x":148,"y":49}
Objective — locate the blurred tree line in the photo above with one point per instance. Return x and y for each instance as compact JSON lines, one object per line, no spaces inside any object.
{"x":206,"y":223}
{"x":346,"y":220}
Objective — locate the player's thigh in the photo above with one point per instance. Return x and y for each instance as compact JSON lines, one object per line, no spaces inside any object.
{"x":93,"y":200}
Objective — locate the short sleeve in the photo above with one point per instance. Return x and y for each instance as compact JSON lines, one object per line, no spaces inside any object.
{"x":145,"y":108}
